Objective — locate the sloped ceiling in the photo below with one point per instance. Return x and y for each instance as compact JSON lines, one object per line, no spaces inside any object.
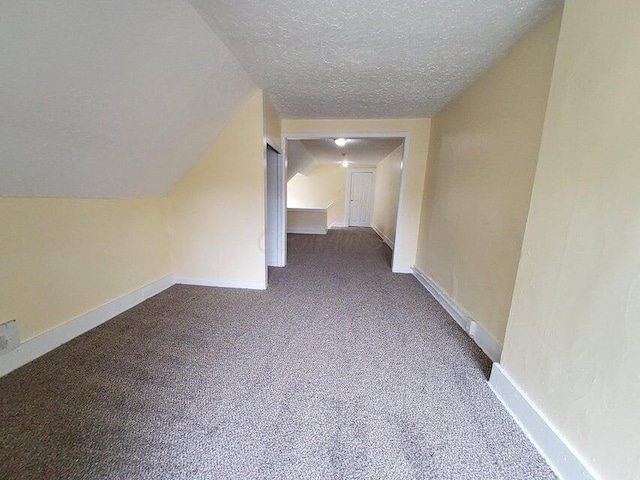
{"x":358,"y":151}
{"x":368,"y":58}
{"x":299,"y":160}
{"x":109,"y":98}
{"x":304,"y":155}
{"x":118,"y":98}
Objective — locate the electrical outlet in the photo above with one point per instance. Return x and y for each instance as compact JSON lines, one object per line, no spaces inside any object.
{"x":9,"y":338}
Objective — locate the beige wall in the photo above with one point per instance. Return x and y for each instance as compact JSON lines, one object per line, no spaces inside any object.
{"x":418,"y":129}
{"x":62,"y":258}
{"x":299,"y":160}
{"x":307,"y":219}
{"x":387,"y":193}
{"x":573,"y":339}
{"x":217,"y":210}
{"x":481,"y":169}
{"x":272,"y":124}
{"x":323,"y":187}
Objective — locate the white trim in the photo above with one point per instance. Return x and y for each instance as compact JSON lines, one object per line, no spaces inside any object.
{"x":337,"y":225}
{"x":403,"y":188}
{"x":405,"y":136}
{"x":272,"y":143}
{"x":265,"y":201}
{"x":47,"y":341}
{"x":11,"y":336}
{"x":282,"y":211}
{"x":485,"y":341}
{"x":210,"y":282}
{"x":555,"y":449}
{"x":443,"y":299}
{"x":402,"y":270}
{"x":340,"y":134}
{"x":308,"y":210}
{"x":307,"y":231}
{"x":158,"y":286}
{"x":477,"y":332}
{"x":283,"y":228}
{"x":384,"y":238}
{"x":282,"y":205}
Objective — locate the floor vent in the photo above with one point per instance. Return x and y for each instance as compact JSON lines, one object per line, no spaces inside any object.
{"x":8,"y":336}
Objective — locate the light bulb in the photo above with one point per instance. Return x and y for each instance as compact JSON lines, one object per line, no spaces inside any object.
{"x":341,"y":142}
{"x":345,"y":163}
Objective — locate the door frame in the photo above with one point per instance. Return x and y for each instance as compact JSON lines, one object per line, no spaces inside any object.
{"x":347,"y":192}
{"x":405,"y":136}
{"x":281,"y":237}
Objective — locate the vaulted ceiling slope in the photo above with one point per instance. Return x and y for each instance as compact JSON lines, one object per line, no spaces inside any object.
{"x":304,"y":155}
{"x":368,"y":58}
{"x":357,"y":151}
{"x":109,"y":98}
{"x":118,"y":98}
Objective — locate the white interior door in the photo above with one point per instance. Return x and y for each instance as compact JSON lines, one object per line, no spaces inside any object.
{"x":361,"y":199}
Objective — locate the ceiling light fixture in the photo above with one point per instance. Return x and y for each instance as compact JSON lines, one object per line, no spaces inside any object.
{"x":341,"y":142}
{"x":344,"y":163}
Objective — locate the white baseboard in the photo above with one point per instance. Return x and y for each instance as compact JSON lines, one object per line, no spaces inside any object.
{"x":552,"y":446}
{"x":384,"y":238}
{"x":337,"y":225}
{"x":483,"y":339}
{"x":308,"y":231}
{"x":395,"y":269}
{"x":156,"y":287}
{"x":47,"y":341}
{"x":443,"y":299}
{"x":208,"y":282}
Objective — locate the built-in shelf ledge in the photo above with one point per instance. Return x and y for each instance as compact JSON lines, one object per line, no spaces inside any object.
{"x":312,"y":221}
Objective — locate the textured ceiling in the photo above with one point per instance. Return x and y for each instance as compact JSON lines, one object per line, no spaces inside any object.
{"x":358,"y":151}
{"x":118,"y":98}
{"x":368,"y":58}
{"x":110,"y":98}
{"x":304,"y":155}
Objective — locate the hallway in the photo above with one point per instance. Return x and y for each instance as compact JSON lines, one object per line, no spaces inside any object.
{"x":340,"y":369}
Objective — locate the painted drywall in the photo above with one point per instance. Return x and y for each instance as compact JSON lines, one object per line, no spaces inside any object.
{"x":299,"y":160}
{"x":323,"y":187}
{"x":418,"y":130}
{"x":62,"y":258}
{"x":110,"y":98}
{"x":301,"y":220}
{"x":481,"y":169}
{"x":573,"y":338}
{"x":368,"y":58}
{"x":387,"y":193}
{"x":272,"y":124}
{"x":217,"y":210}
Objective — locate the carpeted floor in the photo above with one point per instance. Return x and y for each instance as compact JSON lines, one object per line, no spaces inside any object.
{"x":339,"y":370}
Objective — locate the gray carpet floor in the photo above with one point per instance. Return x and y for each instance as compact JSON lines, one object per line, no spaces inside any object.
{"x":340,"y":370}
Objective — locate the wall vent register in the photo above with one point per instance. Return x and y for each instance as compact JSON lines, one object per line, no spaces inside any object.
{"x":9,"y":338}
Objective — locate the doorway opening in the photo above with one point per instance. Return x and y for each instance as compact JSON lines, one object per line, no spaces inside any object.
{"x":341,"y":181}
